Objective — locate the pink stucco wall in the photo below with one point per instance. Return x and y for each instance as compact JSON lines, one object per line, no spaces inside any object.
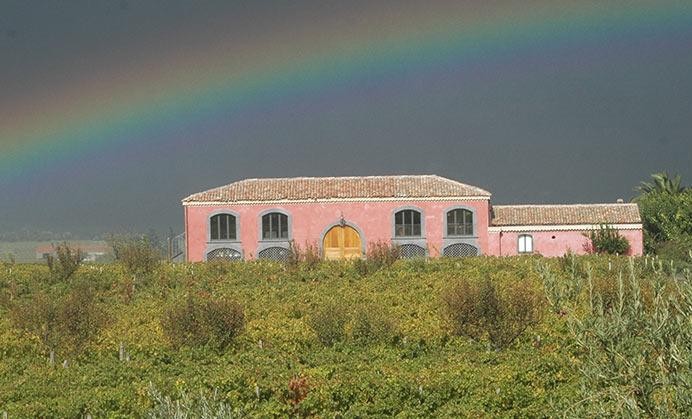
{"x":554,"y":243}
{"x":311,"y":220}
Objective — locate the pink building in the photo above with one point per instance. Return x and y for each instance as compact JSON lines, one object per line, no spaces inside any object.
{"x":425,"y":215}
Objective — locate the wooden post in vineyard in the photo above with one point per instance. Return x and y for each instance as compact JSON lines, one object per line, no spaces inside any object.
{"x":123,"y":356}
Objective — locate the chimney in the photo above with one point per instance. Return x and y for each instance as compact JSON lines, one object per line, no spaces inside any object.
{"x":620,"y":201}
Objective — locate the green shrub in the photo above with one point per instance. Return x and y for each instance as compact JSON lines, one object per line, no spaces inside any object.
{"x":361,"y":266}
{"x":189,"y":406}
{"x":665,"y":216}
{"x":329,"y":323}
{"x":483,"y":310}
{"x":39,"y":317}
{"x":572,"y":265}
{"x":81,"y":317}
{"x":202,"y":320}
{"x":679,"y":251}
{"x":68,"y":261}
{"x":371,"y":324}
{"x":427,"y":373}
{"x":60,"y":323}
{"x":309,"y":256}
{"x":608,"y":240}
{"x":298,"y":389}
{"x":563,"y":291}
{"x":636,"y":355}
{"x":138,"y":255}
{"x":225,"y":319}
{"x":182,"y":324}
{"x":219,"y":267}
{"x":9,"y":260}
{"x":604,"y":288}
{"x":380,"y":255}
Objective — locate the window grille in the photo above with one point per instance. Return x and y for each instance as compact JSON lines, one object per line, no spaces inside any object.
{"x":460,"y":250}
{"x":274,"y":253}
{"x":408,"y":251}
{"x":224,"y":254}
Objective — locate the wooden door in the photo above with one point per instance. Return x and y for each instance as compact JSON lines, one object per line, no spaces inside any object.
{"x":341,"y":243}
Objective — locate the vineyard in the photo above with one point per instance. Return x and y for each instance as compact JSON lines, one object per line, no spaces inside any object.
{"x":525,"y":336}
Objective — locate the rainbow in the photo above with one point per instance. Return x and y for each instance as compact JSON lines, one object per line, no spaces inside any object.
{"x":75,"y":121}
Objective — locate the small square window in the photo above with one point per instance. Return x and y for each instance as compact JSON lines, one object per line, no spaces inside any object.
{"x":525,"y":243}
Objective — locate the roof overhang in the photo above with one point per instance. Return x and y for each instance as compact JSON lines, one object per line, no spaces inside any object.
{"x":562,"y":227}
{"x":335,"y":200}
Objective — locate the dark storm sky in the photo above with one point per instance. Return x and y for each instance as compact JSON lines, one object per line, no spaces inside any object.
{"x":583,"y":120}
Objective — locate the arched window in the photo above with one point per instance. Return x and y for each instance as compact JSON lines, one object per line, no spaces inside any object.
{"x":407,"y":223}
{"x":525,"y":243}
{"x":274,"y":226}
{"x":459,"y":222}
{"x":222,"y":227}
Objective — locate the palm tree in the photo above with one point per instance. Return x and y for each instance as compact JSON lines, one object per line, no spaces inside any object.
{"x":662,"y":182}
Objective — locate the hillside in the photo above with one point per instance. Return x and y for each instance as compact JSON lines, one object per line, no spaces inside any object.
{"x":25,"y":251}
{"x":403,"y":359}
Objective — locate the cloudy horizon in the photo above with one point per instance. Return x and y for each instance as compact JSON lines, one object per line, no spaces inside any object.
{"x":112,"y":112}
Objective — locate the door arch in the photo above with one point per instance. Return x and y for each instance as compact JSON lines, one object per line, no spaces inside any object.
{"x":342,"y":242}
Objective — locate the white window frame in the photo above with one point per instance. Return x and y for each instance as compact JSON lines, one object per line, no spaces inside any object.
{"x":522,"y":241}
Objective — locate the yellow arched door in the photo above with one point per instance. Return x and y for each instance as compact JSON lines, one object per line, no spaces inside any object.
{"x":341,"y":243}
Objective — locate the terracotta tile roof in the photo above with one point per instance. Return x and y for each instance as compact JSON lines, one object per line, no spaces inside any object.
{"x":511,"y":215}
{"x":357,"y":187}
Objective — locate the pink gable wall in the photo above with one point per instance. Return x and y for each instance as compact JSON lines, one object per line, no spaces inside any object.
{"x":311,"y":220}
{"x":554,"y":243}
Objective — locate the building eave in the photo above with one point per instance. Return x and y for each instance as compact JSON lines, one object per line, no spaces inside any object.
{"x":561,"y":227}
{"x":334,"y":200}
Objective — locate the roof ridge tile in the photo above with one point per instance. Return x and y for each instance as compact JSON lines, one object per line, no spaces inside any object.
{"x":560,"y":214}
{"x":373,"y":186}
